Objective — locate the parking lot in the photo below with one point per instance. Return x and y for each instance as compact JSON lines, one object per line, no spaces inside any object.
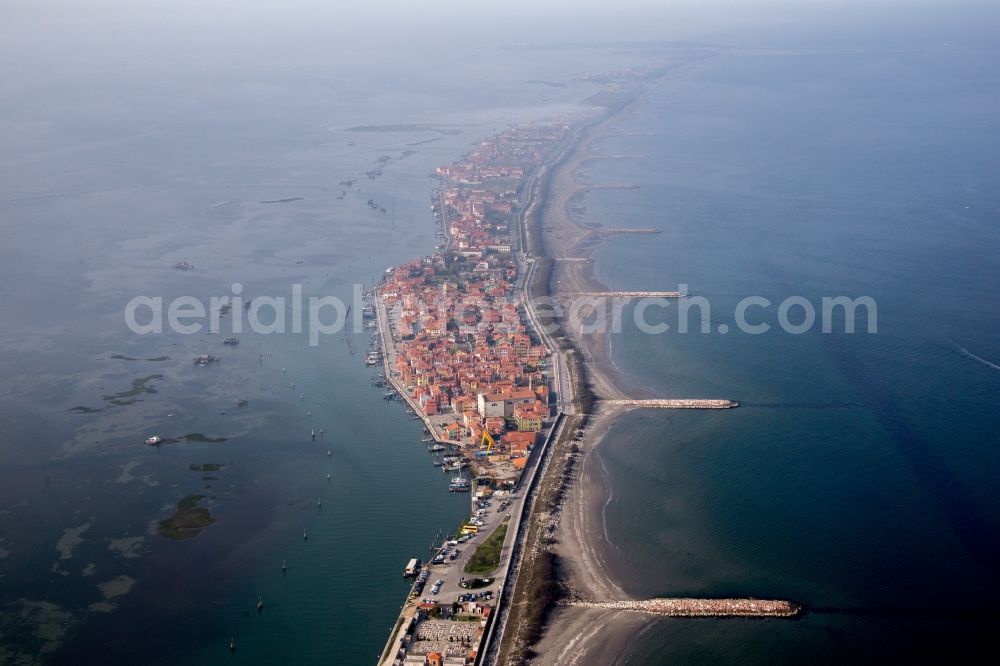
{"x":448,"y":565}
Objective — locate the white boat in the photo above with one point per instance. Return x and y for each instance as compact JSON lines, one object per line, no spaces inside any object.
{"x":155,"y":440}
{"x":459,"y":485}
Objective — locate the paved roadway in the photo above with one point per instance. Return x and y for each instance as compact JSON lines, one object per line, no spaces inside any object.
{"x":452,"y":571}
{"x":559,"y":368}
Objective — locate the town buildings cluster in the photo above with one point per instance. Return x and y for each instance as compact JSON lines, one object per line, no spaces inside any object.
{"x":462,"y":352}
{"x":463,"y":346}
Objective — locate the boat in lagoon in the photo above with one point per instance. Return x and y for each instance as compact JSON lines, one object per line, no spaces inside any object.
{"x":459,"y":485}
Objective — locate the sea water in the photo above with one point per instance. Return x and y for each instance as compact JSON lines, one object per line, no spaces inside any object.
{"x":859,"y":474}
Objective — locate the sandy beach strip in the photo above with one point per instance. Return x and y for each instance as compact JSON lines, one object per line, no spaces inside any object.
{"x":577,"y":635}
{"x":565,"y":239}
{"x":584,"y":636}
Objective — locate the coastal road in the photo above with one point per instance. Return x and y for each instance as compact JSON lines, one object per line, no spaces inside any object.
{"x":559,"y":371}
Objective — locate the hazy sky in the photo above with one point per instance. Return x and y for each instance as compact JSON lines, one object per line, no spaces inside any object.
{"x":99,"y":25}
{"x":371,"y":22}
{"x":45,"y":42}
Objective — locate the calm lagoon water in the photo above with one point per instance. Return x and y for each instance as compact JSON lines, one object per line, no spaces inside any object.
{"x":102,"y":194}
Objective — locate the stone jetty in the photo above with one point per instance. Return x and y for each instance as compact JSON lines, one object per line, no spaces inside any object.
{"x":700,"y":607}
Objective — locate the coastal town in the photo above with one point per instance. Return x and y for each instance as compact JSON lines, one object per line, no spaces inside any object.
{"x":499,"y":334}
{"x":459,"y":342}
{"x":456,"y":345}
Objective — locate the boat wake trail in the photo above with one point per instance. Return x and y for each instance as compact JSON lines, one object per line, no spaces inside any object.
{"x":980,"y":359}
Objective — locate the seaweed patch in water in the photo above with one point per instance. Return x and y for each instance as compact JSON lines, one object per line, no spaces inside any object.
{"x":206,"y":467}
{"x":188,"y":520}
{"x":193,"y":437}
{"x":139,"y":386}
{"x":288,"y":200}
{"x":80,"y":409}
{"x":198,"y":437}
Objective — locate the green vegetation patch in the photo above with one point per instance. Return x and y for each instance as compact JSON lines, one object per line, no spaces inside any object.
{"x":487,"y":556}
{"x":188,"y":521}
{"x":475,"y":583}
